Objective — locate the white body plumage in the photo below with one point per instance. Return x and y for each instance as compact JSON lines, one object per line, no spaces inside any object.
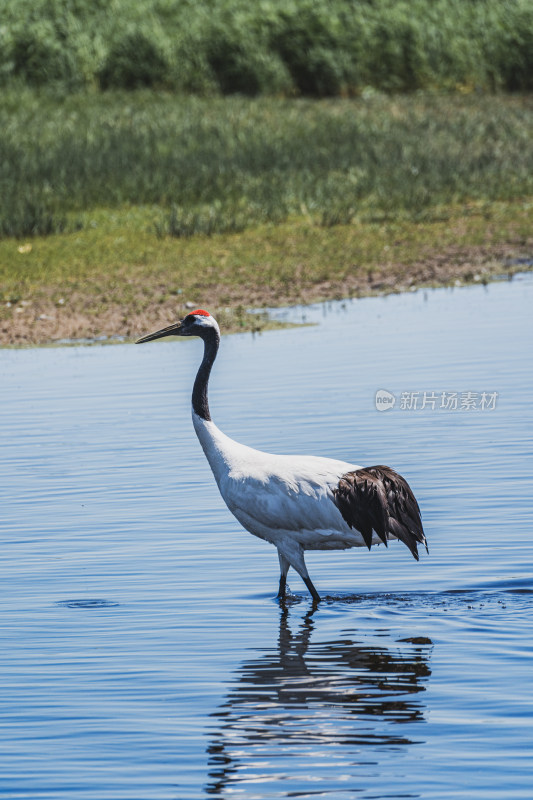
{"x":286,"y":500}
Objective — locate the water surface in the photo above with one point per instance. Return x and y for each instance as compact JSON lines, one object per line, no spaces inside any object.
{"x":143,"y":655}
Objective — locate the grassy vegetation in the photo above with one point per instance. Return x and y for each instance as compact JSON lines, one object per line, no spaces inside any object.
{"x":223,"y":165}
{"x":290,"y":47}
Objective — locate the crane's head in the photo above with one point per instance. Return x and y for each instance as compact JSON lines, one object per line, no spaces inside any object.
{"x":197,"y":323}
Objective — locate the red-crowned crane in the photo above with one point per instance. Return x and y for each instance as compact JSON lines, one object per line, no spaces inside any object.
{"x":297,"y":503}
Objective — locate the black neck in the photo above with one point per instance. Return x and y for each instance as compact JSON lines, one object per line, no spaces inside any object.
{"x":200,"y":404}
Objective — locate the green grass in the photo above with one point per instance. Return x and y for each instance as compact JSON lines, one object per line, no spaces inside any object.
{"x":224,"y":165}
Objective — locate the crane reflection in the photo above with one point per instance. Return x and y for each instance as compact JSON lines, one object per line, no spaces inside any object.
{"x":306,"y":712}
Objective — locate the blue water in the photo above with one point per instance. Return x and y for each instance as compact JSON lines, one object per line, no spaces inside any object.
{"x":142,"y":653}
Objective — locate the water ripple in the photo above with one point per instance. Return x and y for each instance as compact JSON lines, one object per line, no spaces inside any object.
{"x":87,"y":603}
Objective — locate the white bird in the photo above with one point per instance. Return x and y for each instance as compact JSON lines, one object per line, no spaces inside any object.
{"x":297,"y":503}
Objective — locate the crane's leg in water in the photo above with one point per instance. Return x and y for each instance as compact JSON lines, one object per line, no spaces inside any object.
{"x":294,"y":557}
{"x":284,"y":568}
{"x":314,"y":594}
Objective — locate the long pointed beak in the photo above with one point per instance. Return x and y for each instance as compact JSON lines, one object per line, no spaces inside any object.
{"x":172,"y":330}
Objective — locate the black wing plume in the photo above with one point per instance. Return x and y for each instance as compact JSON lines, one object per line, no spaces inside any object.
{"x":377,"y":498}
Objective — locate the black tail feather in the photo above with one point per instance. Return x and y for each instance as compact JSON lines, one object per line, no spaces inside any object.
{"x":377,"y":498}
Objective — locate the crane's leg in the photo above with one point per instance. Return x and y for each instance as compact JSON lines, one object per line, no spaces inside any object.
{"x":284,"y":568}
{"x":314,"y":594}
{"x":297,"y":561}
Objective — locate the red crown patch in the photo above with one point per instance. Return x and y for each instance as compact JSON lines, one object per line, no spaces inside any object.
{"x":200,"y":313}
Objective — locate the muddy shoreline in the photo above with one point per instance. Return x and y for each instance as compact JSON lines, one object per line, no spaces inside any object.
{"x":46,"y":320}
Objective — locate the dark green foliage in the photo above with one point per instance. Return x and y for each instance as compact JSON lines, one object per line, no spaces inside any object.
{"x":314,"y":48}
{"x":513,"y":50}
{"x":399,"y":58}
{"x":312,"y":52}
{"x":31,"y":217}
{"x":236,"y":67}
{"x":39,"y":58}
{"x":133,"y":61}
